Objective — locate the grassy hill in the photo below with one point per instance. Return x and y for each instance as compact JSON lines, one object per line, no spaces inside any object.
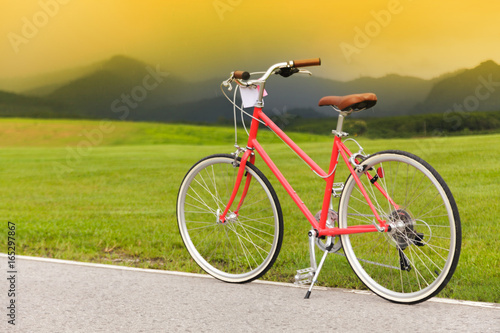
{"x":21,"y":132}
{"x":15,"y":105}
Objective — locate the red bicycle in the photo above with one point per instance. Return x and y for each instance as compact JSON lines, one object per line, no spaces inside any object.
{"x":397,"y":224}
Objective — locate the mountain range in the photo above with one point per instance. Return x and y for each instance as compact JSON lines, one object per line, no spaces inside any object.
{"x":128,"y":89}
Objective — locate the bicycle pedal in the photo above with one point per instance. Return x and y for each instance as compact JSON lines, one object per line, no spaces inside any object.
{"x":304,"y":276}
{"x":337,"y":189}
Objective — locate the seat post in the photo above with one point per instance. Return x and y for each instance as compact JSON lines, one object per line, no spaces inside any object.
{"x":340,"y":122}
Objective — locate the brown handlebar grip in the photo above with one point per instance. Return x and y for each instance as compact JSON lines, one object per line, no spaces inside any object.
{"x":307,"y":62}
{"x":242,"y":75}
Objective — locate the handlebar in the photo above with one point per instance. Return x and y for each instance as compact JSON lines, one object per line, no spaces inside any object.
{"x":242,"y":75}
{"x":306,"y":62}
{"x":280,"y":68}
{"x":284,"y":69}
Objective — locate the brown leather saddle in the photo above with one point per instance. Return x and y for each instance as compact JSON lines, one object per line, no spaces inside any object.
{"x":350,"y":103}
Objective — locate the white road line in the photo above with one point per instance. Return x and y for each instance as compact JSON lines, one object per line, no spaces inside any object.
{"x":156,"y":271}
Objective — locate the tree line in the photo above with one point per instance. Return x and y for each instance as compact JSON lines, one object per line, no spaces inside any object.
{"x":451,"y":123}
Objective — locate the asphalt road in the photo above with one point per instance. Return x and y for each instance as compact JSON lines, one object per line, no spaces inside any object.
{"x":59,"y":296}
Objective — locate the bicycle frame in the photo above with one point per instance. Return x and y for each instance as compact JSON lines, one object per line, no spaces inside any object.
{"x":339,"y":149}
{"x":231,"y":220}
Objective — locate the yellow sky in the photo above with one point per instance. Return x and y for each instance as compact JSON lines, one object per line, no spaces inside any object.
{"x":199,"y":39}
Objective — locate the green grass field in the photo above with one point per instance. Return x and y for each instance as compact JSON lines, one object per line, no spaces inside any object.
{"x":110,"y":197}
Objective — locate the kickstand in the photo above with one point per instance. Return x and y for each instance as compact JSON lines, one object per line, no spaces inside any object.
{"x":315,"y":278}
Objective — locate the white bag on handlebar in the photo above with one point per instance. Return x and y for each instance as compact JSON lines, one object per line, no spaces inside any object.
{"x":250,"y":95}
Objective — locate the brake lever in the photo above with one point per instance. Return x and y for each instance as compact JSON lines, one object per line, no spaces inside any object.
{"x":227,"y":84}
{"x":304,"y":71}
{"x":286,"y":71}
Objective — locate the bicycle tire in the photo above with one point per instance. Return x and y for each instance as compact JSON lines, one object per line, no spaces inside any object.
{"x":417,"y":258}
{"x":240,"y":250}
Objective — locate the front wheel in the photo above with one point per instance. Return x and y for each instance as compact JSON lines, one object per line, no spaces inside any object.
{"x":418,"y":256}
{"x":243,"y":247}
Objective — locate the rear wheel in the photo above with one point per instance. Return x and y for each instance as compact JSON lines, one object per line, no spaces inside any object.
{"x":246,"y":245}
{"x":418,"y":256}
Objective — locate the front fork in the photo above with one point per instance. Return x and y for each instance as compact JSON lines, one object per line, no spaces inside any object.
{"x":248,"y":155}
